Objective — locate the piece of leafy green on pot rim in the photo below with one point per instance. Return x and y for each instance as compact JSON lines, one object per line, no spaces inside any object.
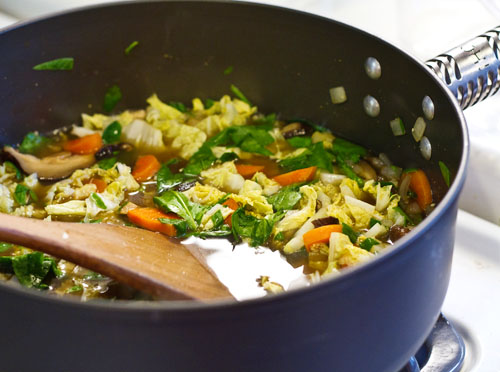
{"x":111,"y":98}
{"x":238,"y":94}
{"x":131,"y":46}
{"x":59,"y":64}
{"x":445,"y":172}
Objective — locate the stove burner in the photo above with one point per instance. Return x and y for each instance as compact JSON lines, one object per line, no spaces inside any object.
{"x":443,"y":351}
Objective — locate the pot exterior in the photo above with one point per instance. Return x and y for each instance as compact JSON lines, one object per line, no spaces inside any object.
{"x":371,"y":319}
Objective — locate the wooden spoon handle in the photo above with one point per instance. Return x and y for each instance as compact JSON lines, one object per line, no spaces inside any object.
{"x":142,"y":259}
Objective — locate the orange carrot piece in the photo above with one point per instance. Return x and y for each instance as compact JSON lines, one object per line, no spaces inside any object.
{"x":100,"y":184}
{"x":299,"y":175}
{"x":419,"y":183}
{"x":320,"y":235}
{"x":145,"y":167}
{"x":84,"y":145}
{"x":233,"y":205}
{"x":248,"y":170}
{"x":148,"y":218}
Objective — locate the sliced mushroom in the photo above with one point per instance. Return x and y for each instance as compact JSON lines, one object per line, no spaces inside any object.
{"x":294,"y":129}
{"x":55,"y":166}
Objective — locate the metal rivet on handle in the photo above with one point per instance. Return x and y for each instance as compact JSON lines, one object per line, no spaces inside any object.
{"x":428,"y":108}
{"x":425,"y":148}
{"x":371,"y":106}
{"x":372,"y":68}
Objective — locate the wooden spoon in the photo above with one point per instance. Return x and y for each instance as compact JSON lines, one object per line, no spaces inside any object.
{"x":145,"y":260}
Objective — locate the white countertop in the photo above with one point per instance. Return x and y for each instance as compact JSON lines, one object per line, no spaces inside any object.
{"x":423,"y":28}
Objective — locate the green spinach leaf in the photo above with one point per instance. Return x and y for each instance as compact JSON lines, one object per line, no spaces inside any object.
{"x":66,"y":63}
{"x":286,"y":198}
{"x":112,"y":133}
{"x":348,"y":230}
{"x":107,"y":163}
{"x":368,"y":243}
{"x":176,"y":202}
{"x":32,"y":142}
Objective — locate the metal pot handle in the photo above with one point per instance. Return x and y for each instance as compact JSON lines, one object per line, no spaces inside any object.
{"x":471,"y":70}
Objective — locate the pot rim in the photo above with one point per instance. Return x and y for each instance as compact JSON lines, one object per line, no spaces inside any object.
{"x":365,"y":267}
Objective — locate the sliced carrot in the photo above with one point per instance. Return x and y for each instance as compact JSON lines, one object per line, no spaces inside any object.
{"x":299,"y":175}
{"x":248,"y":170}
{"x":145,"y":167}
{"x":100,"y":184}
{"x":320,"y":234}
{"x":233,"y":205}
{"x":419,"y":183}
{"x":84,"y":145}
{"x":148,"y":218}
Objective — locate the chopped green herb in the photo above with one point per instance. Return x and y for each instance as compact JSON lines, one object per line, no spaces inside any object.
{"x":112,"y":132}
{"x":228,"y":70}
{"x":279,"y":236}
{"x":347,"y":230}
{"x":92,"y":275}
{"x":181,"y":226}
{"x":217,"y":219}
{"x":286,"y":198}
{"x":239,"y":94}
{"x":222,"y":231}
{"x":208,"y":103}
{"x":75,"y":288}
{"x":32,"y":142}
{"x":111,"y":98}
{"x":178,"y":106}
{"x":5,"y":246}
{"x":248,"y":226}
{"x":10,"y":166}
{"x":347,"y":150}
{"x":266,"y":120}
{"x":31,"y":269}
{"x":316,"y":155}
{"x":228,"y":156}
{"x":56,"y":64}
{"x":368,"y":243}
{"x":22,"y":195}
{"x":250,"y":138}
{"x":373,"y":222}
{"x":176,"y":202}
{"x":166,"y":180}
{"x":98,"y":201}
{"x":131,"y":46}
{"x":445,"y":172}
{"x":107,"y":163}
{"x":300,"y":141}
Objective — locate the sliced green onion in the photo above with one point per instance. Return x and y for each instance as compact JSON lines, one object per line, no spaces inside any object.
{"x":418,"y":129}
{"x":445,"y":172}
{"x":132,"y":45}
{"x":338,"y":95}
{"x":397,"y":127}
{"x":228,"y":70}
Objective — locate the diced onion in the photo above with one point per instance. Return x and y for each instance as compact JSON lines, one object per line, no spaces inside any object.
{"x":418,"y":129}
{"x":397,"y":126}
{"x":426,"y":148}
{"x":338,"y":95}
